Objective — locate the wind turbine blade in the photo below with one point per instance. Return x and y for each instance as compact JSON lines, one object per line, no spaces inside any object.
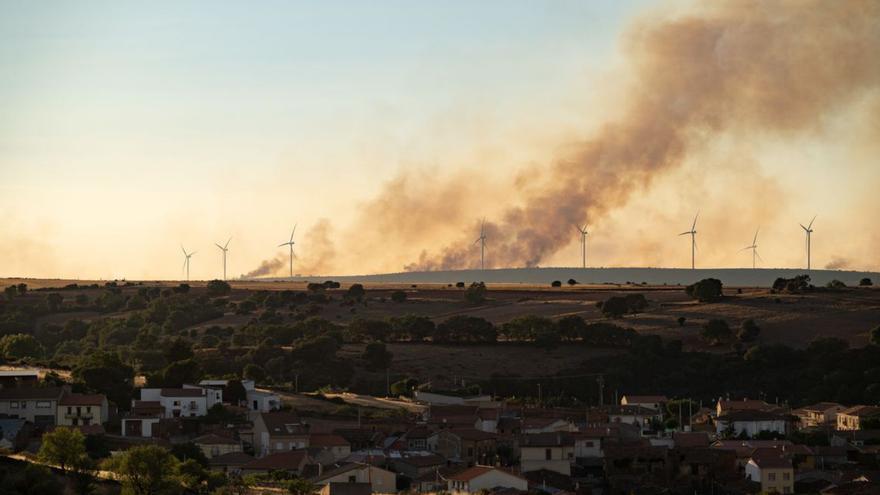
{"x":182,"y":249}
{"x":478,"y":240}
{"x":758,"y":255}
{"x":811,"y":222}
{"x":802,"y":226}
{"x":219,"y":246}
{"x":755,"y":240}
{"x":684,"y":233}
{"x":578,"y":229}
{"x":227,"y":244}
{"x":283,"y":244}
{"x":192,"y":253}
{"x":694,"y":226}
{"x":184,"y":264}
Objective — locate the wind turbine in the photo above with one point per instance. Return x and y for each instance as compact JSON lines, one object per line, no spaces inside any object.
{"x":187,"y":256}
{"x":224,"y":248}
{"x":482,"y":241}
{"x":290,"y":243}
{"x":584,"y":233}
{"x":754,"y":248}
{"x":809,"y":230}
{"x":693,"y":234}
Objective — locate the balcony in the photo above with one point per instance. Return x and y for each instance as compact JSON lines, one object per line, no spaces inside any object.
{"x":81,"y":415}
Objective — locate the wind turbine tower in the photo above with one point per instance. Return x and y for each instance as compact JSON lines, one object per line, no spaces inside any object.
{"x":693,"y":234}
{"x":809,"y":230}
{"x":482,"y":241}
{"x":754,"y":248}
{"x":186,"y":257}
{"x":584,"y":233}
{"x":290,"y":243}
{"x":225,"y":249}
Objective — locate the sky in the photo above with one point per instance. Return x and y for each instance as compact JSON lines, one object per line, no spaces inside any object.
{"x":129,"y":130}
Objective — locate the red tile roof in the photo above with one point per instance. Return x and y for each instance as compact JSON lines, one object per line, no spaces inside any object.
{"x":82,"y":400}
{"x":287,"y":461}
{"x":327,"y":440}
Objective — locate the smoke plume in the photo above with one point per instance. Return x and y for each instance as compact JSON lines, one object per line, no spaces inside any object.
{"x":837,"y":263}
{"x":317,"y":254}
{"x":746,"y":68}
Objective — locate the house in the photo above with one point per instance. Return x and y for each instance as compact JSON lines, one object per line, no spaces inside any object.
{"x":381,"y":480}
{"x":229,"y":463}
{"x":588,"y":442}
{"x":291,"y":462}
{"x":725,"y":406}
{"x":772,"y":469}
{"x":346,"y":489}
{"x":214,"y":445}
{"x":19,"y":378}
{"x":480,"y":478}
{"x":14,"y":434}
{"x":189,"y":401}
{"x":465,"y":445}
{"x":545,"y":425}
{"x":33,"y":404}
{"x":706,"y":463}
{"x":820,"y":414}
{"x":632,"y":464}
{"x":143,"y":419}
{"x":751,"y":422}
{"x":328,"y":448}
{"x":853,"y":418}
{"x":417,"y":438}
{"x":82,"y":409}
{"x":551,"y":451}
{"x":279,"y":431}
{"x":654,"y":402}
{"x":639,"y":416}
{"x":416,"y":466}
{"x":256,"y":400}
{"x":488,"y":419}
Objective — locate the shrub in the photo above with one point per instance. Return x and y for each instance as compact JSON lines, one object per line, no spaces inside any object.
{"x":356,"y":292}
{"x":875,"y":335}
{"x":748,"y":331}
{"x":398,"y":296}
{"x":865,"y":282}
{"x":716,"y":330}
{"x":217,"y":288}
{"x":681,"y":320}
{"x":614,"y":307}
{"x":476,"y":293}
{"x":799,"y":283}
{"x":556,"y":283}
{"x":572,"y":281}
{"x":460,"y":285}
{"x":706,"y":290}
{"x":636,"y":303}
{"x":835,"y":284}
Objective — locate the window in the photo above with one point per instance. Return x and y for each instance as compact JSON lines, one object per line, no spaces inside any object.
{"x":786,"y":476}
{"x":13,"y":404}
{"x":771,"y":476}
{"x":78,"y":410}
{"x":43,"y":404}
{"x":177,"y":403}
{"x":69,"y":410}
{"x":548,"y":454}
{"x":589,"y":444}
{"x":88,"y":409}
{"x":352,"y":479}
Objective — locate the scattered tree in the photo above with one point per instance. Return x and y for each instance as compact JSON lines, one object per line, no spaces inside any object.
{"x":398,"y":296}
{"x":144,"y":470}
{"x":835,"y":284}
{"x":356,"y":292}
{"x":748,"y":331}
{"x":218,"y":288}
{"x":706,"y":290}
{"x":254,"y":372}
{"x":20,"y":346}
{"x":681,"y":320}
{"x":66,"y":448}
{"x":476,"y":293}
{"x":865,"y":282}
{"x":716,"y":330}
{"x":556,"y":283}
{"x":53,"y":301}
{"x":572,"y":281}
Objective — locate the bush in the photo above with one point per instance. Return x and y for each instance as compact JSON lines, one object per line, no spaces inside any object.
{"x":797,"y":284}
{"x":681,"y":320}
{"x":460,"y":285}
{"x":835,"y":284}
{"x":716,"y":330}
{"x":572,"y":281}
{"x":875,"y":335}
{"x":398,"y":296}
{"x":636,"y":303}
{"x":614,"y":307}
{"x":865,"y":282}
{"x":706,"y":290}
{"x":218,"y":288}
{"x":356,"y":292}
{"x":748,"y":331}
{"x":556,"y":283}
{"x":476,"y":293}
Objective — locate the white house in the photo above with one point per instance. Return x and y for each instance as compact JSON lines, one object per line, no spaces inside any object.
{"x":551,"y":451}
{"x":258,"y":400}
{"x":82,"y":410}
{"x":751,"y":423}
{"x":190,"y":401}
{"x":478,"y":478}
{"x":639,"y":416}
{"x":36,"y":405}
{"x":655,"y":402}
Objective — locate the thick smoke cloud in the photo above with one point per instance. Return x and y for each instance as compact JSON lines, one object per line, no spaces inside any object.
{"x":314,"y":253}
{"x":745,"y":67}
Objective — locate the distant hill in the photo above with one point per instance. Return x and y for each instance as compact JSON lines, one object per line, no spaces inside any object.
{"x":744,"y":277}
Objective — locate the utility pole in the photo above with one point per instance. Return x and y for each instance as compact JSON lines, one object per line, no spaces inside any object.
{"x":601,"y":382}
{"x":387,"y":382}
{"x":540,"y":398}
{"x":296,"y":382}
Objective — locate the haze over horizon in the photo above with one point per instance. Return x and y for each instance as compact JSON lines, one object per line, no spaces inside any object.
{"x":386,"y":132}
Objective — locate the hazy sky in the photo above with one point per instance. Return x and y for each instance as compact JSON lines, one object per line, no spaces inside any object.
{"x":128,"y":129}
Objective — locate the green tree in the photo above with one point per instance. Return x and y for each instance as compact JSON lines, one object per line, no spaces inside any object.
{"x":377,"y":356}
{"x":235,"y":393}
{"x":32,"y":479}
{"x":255,"y":372}
{"x":476,"y":293}
{"x":66,"y":448}
{"x":571,"y":327}
{"x":706,"y":290}
{"x":20,"y":346}
{"x":218,"y":288}
{"x":615,"y":307}
{"x":300,"y":486}
{"x":748,"y":331}
{"x":22,"y":288}
{"x":355,"y":292}
{"x":178,"y":349}
{"x":54,"y":300}
{"x":11,"y":292}
{"x":105,"y":373}
{"x":865,"y":282}
{"x":716,"y":330}
{"x":145,"y":470}
{"x":556,"y":283}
